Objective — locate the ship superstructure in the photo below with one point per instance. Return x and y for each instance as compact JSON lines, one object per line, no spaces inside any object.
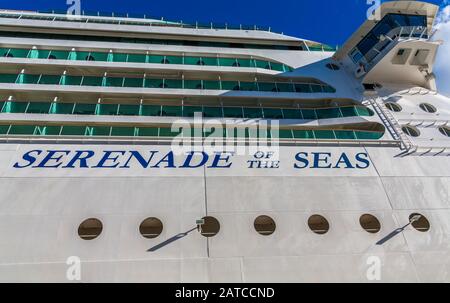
{"x":354,"y":166}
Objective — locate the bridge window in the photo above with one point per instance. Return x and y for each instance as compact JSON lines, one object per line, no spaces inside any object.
{"x":90,"y":229}
{"x":211,"y":227}
{"x":265,"y":225}
{"x":422,"y":224}
{"x":151,"y":228}
{"x":411,"y":131}
{"x":370,"y":223}
{"x":318,"y":224}
{"x":426,"y":107}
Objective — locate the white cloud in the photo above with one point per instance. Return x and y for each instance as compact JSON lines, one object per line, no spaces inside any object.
{"x":442,"y":66}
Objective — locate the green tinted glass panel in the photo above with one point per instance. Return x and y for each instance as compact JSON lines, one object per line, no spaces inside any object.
{"x":167,"y":132}
{"x":121,"y":58}
{"x":212,"y":85}
{"x":244,"y":63}
{"x":27,"y":79}
{"x":328,"y":113}
{"x":210,"y":61}
{"x":154,"y":83}
{"x":282,"y":133}
{"x":134,"y":82}
{"x":349,"y":111}
{"x":228,"y":62}
{"x":262,"y":64}
{"x":189,"y":111}
{"x":4,"y":129}
{"x":71,"y":80}
{"x":303,"y":134}
{"x":123,"y":131}
{"x":39,"y":108}
{"x":368,"y":135}
{"x":151,"y":110}
{"x":193,"y":61}
{"x":92,"y":81}
{"x":193,"y":84}
{"x":286,"y":87}
{"x":173,"y":83}
{"x":48,"y":130}
{"x":22,"y":130}
{"x":302,"y":88}
{"x":18,"y":53}
{"x":172,"y":111}
{"x":15,"y":107}
{"x":316,"y":88}
{"x":100,"y":131}
{"x":363,"y":111}
{"x":267,"y":87}
{"x":345,"y":134}
{"x":158,"y":59}
{"x":62,"y":108}
{"x":249,"y":86}
{"x":174,"y":60}
{"x":129,"y":110}
{"x":277,"y":66}
{"x":328,"y":89}
{"x":39,"y":54}
{"x":253,"y":113}
{"x":324,"y":134}
{"x":213,"y":112}
{"x":59,"y":55}
{"x":50,"y":79}
{"x":292,"y":114}
{"x":232,"y":112}
{"x":84,"y":109}
{"x":99,"y":56}
{"x":113,"y":81}
{"x":137,"y":58}
{"x":108,"y":109}
{"x":8,"y":78}
{"x":273,"y":113}
{"x":309,"y":114}
{"x":230,"y":85}
{"x":1,"y":106}
{"x":148,"y":132}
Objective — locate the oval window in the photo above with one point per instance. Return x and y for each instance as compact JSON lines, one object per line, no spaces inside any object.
{"x":419,"y":222}
{"x":90,"y":229}
{"x":411,"y":131}
{"x":151,"y":228}
{"x":264,"y":225}
{"x":370,"y":223}
{"x":211,"y":227}
{"x":318,"y":224}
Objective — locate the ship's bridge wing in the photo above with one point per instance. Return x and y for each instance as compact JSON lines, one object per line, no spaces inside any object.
{"x":411,"y":8}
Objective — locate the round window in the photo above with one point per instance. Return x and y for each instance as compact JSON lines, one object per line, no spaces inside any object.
{"x":370,"y":223}
{"x":445,"y":131}
{"x":151,"y":228}
{"x":90,"y":229}
{"x":419,"y":222}
{"x":394,"y":107}
{"x":211,"y":227}
{"x":411,"y":131}
{"x":265,"y":225}
{"x":318,"y":224}
{"x":428,"y":108}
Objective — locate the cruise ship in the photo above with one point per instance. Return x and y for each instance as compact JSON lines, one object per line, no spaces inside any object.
{"x":135,"y":149}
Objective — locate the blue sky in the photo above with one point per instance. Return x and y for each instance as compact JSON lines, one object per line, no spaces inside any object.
{"x":327,"y":21}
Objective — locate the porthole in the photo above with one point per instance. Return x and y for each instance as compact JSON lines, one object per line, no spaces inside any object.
{"x":394,"y":107}
{"x":411,"y":131}
{"x":318,"y":224}
{"x":370,"y":223}
{"x":90,"y":229}
{"x":151,"y":228}
{"x":445,"y":131}
{"x":333,"y":66}
{"x":428,"y":108}
{"x":211,"y":227}
{"x":265,"y":225}
{"x":420,"y":222}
